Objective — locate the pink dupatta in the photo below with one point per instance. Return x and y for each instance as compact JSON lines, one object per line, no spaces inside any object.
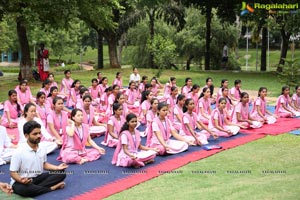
{"x":133,"y":144}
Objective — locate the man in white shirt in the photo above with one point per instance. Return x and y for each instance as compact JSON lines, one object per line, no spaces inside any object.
{"x":135,"y":77}
{"x":29,"y":161}
{"x":225,"y":56}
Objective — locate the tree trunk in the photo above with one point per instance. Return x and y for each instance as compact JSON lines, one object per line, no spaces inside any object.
{"x":100,"y":50}
{"x":188,"y":62}
{"x":122,"y":42}
{"x":263,"y":57}
{"x":208,"y":30}
{"x":112,"y":50}
{"x":151,"y":27}
{"x":25,"y":64}
{"x":284,"y":48}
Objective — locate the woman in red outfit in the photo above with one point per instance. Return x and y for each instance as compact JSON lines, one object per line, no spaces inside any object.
{"x":43,"y":56}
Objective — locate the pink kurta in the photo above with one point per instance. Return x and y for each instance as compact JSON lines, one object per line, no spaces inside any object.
{"x":120,"y":158}
{"x":244,"y":113}
{"x":280,"y":111}
{"x":94,"y":92}
{"x":13,"y":112}
{"x":191,"y":120}
{"x":102,"y":88}
{"x":165,"y":128}
{"x":145,"y":106}
{"x":59,"y":121}
{"x":132,"y":97}
{"x":88,"y":119}
{"x":262,"y":103}
{"x":117,"y":125}
{"x":73,"y":148}
{"x":175,"y":122}
{"x":43,"y":112}
{"x":24,"y":97}
{"x":76,"y":95}
{"x":186,"y":89}
{"x":216,"y":114}
{"x":45,"y":91}
{"x":195,"y":98}
{"x":118,"y":82}
{"x":66,"y":83}
{"x":235,"y":93}
{"x":296,"y":100}
{"x":204,"y":105}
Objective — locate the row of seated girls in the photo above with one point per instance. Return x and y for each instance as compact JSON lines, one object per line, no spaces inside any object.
{"x":72,"y":115}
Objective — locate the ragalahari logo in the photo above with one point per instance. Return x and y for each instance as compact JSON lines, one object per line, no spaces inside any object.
{"x":246,"y":8}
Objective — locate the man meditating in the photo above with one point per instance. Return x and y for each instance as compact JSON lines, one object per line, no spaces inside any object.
{"x":28,"y":162}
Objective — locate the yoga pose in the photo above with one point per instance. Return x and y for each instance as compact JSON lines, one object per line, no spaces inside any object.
{"x":126,"y":153}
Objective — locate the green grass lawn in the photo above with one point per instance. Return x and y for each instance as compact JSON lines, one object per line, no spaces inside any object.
{"x":268,"y":169}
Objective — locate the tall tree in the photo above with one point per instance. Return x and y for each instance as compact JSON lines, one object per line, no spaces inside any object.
{"x":25,"y":12}
{"x":171,"y":11}
{"x":104,"y":24}
{"x":226,"y":10}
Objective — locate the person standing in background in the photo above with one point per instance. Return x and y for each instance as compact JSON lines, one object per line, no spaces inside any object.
{"x":225,"y":56}
{"x":43,"y":62}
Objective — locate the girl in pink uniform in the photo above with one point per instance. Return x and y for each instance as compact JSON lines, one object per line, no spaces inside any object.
{"x":145,"y":105}
{"x":143,"y":83}
{"x":171,"y":83}
{"x":75,"y":138}
{"x":241,"y":114}
{"x":114,"y":125}
{"x":94,"y":91}
{"x":42,"y":107}
{"x":151,"y":114}
{"x":120,"y":98}
{"x":171,"y":101}
{"x":24,"y":95}
{"x":296,"y":98}
{"x":118,"y":81}
{"x":66,"y":83}
{"x":51,"y":79}
{"x":57,"y":120}
{"x":224,"y":84}
{"x":103,"y":85}
{"x":74,"y":94}
{"x":96,"y":129}
{"x":259,"y":111}
{"x":132,"y":97}
{"x":284,"y":106}
{"x":220,"y":124}
{"x":156,"y":86}
{"x":162,"y":130}
{"x":204,"y":109}
{"x":229,"y":107}
{"x":12,"y":111}
{"x":194,"y":94}
{"x":126,"y":153}
{"x":104,"y":99}
{"x":53,"y":93}
{"x":192,"y":127}
{"x":209,"y":84}
{"x":235,"y":92}
{"x":187,"y":87}
{"x":178,"y":112}
{"x":46,"y":87}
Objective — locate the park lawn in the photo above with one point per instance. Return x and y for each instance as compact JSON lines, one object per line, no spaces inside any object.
{"x":244,"y":172}
{"x":250,"y":80}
